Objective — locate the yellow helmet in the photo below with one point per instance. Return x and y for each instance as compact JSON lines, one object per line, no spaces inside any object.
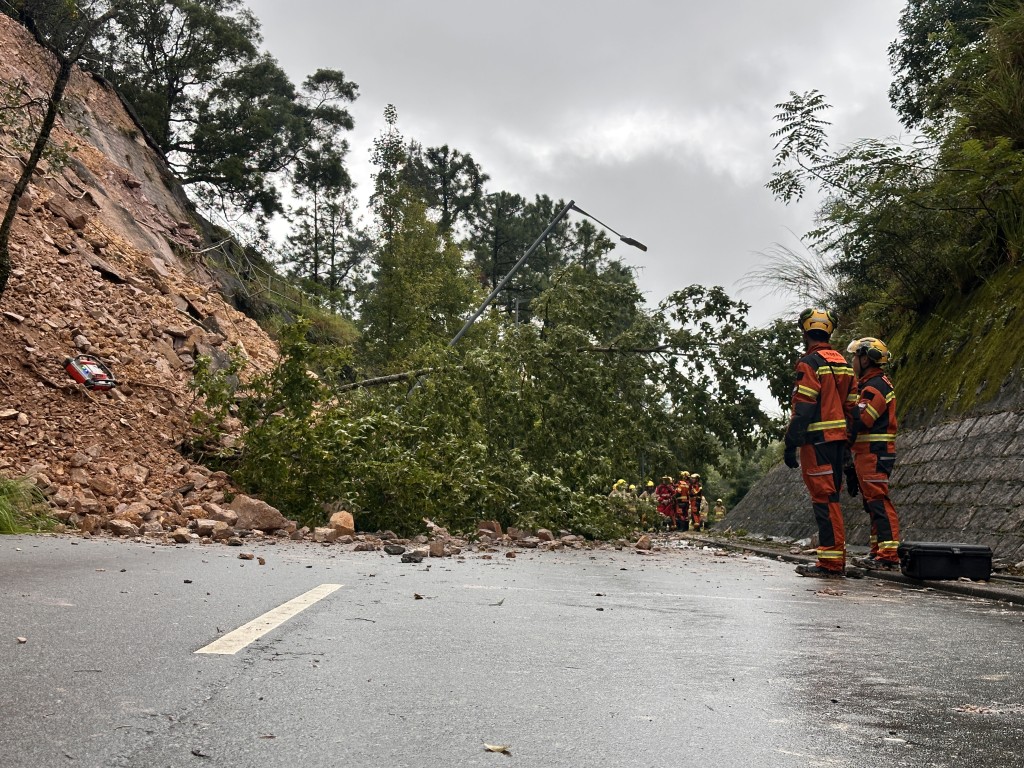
{"x":695,"y":476}
{"x":718,"y":501}
{"x":814,"y":319}
{"x":874,"y":348}
{"x":650,"y":483}
{"x":684,"y":474}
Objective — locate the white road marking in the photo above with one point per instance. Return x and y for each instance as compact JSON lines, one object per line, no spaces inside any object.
{"x":236,"y":640}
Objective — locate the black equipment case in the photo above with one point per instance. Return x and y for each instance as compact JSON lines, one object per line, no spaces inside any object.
{"x":941,"y":560}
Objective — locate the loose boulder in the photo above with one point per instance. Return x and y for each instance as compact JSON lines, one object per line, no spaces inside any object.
{"x":256,"y":515}
{"x":343,"y":523}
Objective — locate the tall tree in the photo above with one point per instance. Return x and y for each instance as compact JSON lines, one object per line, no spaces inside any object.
{"x":65,"y":28}
{"x":227,"y":116}
{"x":420,"y":288}
{"x":324,"y":247}
{"x":450,"y":181}
{"x":166,"y":55}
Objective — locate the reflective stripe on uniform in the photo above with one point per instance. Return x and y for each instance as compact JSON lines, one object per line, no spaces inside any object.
{"x":831,"y":554}
{"x":872,"y":411}
{"x":840,"y":370}
{"x":886,"y":438}
{"x":807,"y":391}
{"x":823,"y":425}
{"x":890,"y":397}
{"x":888,"y":545}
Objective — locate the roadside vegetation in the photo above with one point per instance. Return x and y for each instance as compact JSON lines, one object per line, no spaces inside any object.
{"x":920,"y":241}
{"x":23,"y":508}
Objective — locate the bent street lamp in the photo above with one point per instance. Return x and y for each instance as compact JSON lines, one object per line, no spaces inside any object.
{"x":570,"y":206}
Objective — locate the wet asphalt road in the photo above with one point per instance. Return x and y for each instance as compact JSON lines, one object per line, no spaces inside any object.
{"x":687,"y":657}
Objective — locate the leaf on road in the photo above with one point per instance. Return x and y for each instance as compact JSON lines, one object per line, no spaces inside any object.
{"x":417,"y":596}
{"x":498,"y":603}
{"x":22,"y":640}
{"x":975,"y":709}
{"x":830,"y":591}
{"x":199,"y":753}
{"x":500,"y":748}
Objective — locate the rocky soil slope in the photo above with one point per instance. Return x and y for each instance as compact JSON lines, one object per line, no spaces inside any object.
{"x":104,"y":263}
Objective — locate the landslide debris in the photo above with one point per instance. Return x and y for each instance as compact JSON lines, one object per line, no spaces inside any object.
{"x":105,"y":257}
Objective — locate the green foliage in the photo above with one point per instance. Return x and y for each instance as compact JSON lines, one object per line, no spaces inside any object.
{"x":165,"y":55}
{"x":904,"y":226}
{"x":325,"y":249}
{"x":214,"y":386}
{"x":420,"y":288}
{"x":449,"y":181}
{"x":934,"y":61}
{"x":23,"y":507}
{"x":925,"y":241}
{"x":523,"y":422}
{"x":229,"y":119}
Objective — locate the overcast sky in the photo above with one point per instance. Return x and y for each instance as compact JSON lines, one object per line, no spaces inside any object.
{"x":653,"y":115}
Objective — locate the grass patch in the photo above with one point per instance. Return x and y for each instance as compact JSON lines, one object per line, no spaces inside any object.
{"x":23,"y":507}
{"x":960,"y":356}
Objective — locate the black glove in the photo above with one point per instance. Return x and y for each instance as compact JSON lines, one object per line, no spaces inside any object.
{"x":790,"y":458}
{"x":851,"y":480}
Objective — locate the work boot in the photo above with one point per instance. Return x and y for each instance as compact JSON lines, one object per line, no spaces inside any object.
{"x":818,"y":572}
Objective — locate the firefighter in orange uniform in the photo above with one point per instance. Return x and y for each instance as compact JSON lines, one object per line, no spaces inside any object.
{"x":824,"y":398}
{"x":694,"y":502}
{"x":683,"y":502}
{"x":873,"y":433}
{"x":665,"y":496}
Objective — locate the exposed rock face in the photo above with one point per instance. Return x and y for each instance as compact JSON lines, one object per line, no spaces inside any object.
{"x":958,"y":481}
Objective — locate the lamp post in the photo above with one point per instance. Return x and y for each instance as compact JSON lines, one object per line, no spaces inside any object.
{"x":570,"y":206}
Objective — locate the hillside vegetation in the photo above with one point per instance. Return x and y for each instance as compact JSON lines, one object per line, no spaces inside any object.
{"x":922,"y":239}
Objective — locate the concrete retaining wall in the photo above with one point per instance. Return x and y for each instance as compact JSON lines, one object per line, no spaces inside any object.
{"x":957,"y":481}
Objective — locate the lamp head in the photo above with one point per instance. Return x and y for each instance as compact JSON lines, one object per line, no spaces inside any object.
{"x":634,"y":243}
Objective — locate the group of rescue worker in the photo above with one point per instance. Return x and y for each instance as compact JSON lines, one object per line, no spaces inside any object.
{"x":843,"y":423}
{"x":681,"y":505}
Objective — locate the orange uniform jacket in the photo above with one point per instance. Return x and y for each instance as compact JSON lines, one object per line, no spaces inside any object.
{"x":874,"y":424}
{"x":824,"y":397}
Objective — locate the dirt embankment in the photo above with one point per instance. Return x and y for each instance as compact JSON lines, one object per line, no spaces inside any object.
{"x":102,"y":264}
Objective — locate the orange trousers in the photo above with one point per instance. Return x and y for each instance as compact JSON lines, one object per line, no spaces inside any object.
{"x":821,"y":465}
{"x":873,"y":470}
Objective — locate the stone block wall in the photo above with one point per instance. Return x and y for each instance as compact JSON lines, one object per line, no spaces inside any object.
{"x":959,"y":481}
